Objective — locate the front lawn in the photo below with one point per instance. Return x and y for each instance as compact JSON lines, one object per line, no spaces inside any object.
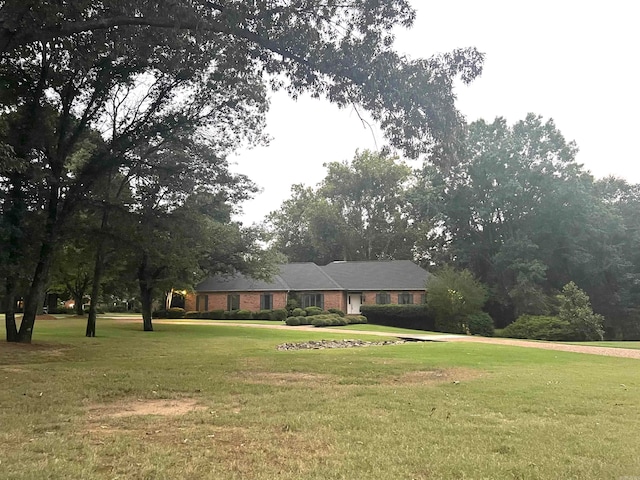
{"x":191,"y":401}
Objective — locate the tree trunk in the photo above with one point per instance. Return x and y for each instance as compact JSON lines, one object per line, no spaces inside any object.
{"x":10,"y":312}
{"x":77,"y":298}
{"x":95,"y":289}
{"x":146,"y":296}
{"x":33,"y":301}
{"x":35,"y":296}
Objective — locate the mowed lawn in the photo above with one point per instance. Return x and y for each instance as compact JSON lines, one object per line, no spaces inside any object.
{"x":222,"y":403}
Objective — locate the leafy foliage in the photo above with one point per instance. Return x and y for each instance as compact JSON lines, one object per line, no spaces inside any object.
{"x":575,"y":309}
{"x":358,"y":212}
{"x":538,"y":327}
{"x":480,"y":324}
{"x":452,"y":296}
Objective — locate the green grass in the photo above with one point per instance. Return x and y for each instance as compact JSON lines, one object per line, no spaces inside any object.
{"x":633,"y":345}
{"x":382,"y":328}
{"x":413,"y":411}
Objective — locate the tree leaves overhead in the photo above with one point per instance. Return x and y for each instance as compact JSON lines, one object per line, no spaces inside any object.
{"x":340,"y":50}
{"x":358,"y":212}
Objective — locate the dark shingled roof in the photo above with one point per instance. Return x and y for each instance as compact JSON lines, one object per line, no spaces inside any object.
{"x":307,"y":276}
{"x":378,"y":275}
{"x":292,"y":276}
{"x":240,"y":283}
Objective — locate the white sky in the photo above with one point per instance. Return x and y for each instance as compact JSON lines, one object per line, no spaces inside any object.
{"x":576,"y":62}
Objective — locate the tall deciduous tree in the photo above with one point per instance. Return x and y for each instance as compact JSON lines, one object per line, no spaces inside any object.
{"x":358,"y":212}
{"x":521,"y":214}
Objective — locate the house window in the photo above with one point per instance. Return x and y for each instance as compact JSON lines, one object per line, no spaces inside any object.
{"x":266,"y":301}
{"x":233,"y":302}
{"x":312,"y":300}
{"x":202,"y":303}
{"x":405,"y":298}
{"x":383,"y":298}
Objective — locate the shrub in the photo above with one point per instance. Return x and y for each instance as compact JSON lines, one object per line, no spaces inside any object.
{"x":175,"y":312}
{"x":228,"y":314}
{"x":328,"y":320}
{"x":192,"y":314}
{"x":575,"y":309}
{"x":159,"y":314}
{"x":453,"y":296}
{"x":292,"y":304}
{"x":480,"y":324}
{"x":538,"y":327}
{"x":293,"y":321}
{"x":279,"y":314}
{"x":355,"y":319}
{"x":298,"y":312}
{"x":336,"y":311}
{"x":416,"y":317}
{"x":242,"y":315}
{"x":313,"y":311}
{"x":212,"y":315}
{"x":262,"y":315}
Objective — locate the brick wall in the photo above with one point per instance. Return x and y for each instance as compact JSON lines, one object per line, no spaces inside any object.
{"x":251,"y":300}
{"x":248,"y":300}
{"x":370,"y":296}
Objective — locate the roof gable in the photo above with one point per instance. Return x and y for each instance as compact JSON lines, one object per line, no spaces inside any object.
{"x":378,"y":275}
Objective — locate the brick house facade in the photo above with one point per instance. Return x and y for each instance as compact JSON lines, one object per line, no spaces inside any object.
{"x":341,"y":285}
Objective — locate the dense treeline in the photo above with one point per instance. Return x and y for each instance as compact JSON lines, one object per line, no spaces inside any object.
{"x":517,"y":211}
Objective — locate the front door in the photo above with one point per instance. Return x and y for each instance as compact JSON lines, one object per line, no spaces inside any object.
{"x":353,"y":303}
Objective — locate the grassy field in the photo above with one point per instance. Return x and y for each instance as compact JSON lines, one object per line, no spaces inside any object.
{"x":633,"y":345}
{"x":222,"y":403}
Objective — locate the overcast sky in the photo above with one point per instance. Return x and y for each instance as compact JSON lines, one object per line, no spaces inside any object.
{"x":575,"y":62}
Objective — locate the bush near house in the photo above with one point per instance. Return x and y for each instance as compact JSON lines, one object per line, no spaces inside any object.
{"x":415,"y":317}
{"x":313,"y":311}
{"x":480,"y":324}
{"x":326,"y":320}
{"x":538,"y":327}
{"x":298,"y":312}
{"x":262,"y":315}
{"x":212,"y":315}
{"x":175,"y":312}
{"x":337,"y":311}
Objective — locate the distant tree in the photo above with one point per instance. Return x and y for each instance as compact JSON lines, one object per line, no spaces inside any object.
{"x":358,"y":212}
{"x":453,"y":296}
{"x":575,"y":309}
{"x":522,"y":215}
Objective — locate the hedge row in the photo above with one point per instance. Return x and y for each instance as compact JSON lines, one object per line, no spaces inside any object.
{"x":312,"y":311}
{"x":415,"y":317}
{"x":326,"y":320}
{"x":276,"y":315}
{"x":538,"y":327}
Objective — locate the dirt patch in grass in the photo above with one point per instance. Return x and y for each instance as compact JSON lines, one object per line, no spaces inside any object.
{"x":20,"y":353}
{"x":144,"y":407}
{"x":426,"y":377}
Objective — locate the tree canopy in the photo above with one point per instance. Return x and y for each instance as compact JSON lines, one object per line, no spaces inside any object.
{"x":93,"y":88}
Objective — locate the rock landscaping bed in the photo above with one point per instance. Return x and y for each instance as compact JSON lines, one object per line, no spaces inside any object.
{"x":321,"y":344}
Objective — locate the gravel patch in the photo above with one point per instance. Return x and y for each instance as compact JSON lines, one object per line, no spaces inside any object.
{"x":322,"y":344}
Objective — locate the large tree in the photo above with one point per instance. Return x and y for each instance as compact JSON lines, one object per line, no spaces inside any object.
{"x":142,"y":73}
{"x":523,"y":215}
{"x":358,"y":212}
